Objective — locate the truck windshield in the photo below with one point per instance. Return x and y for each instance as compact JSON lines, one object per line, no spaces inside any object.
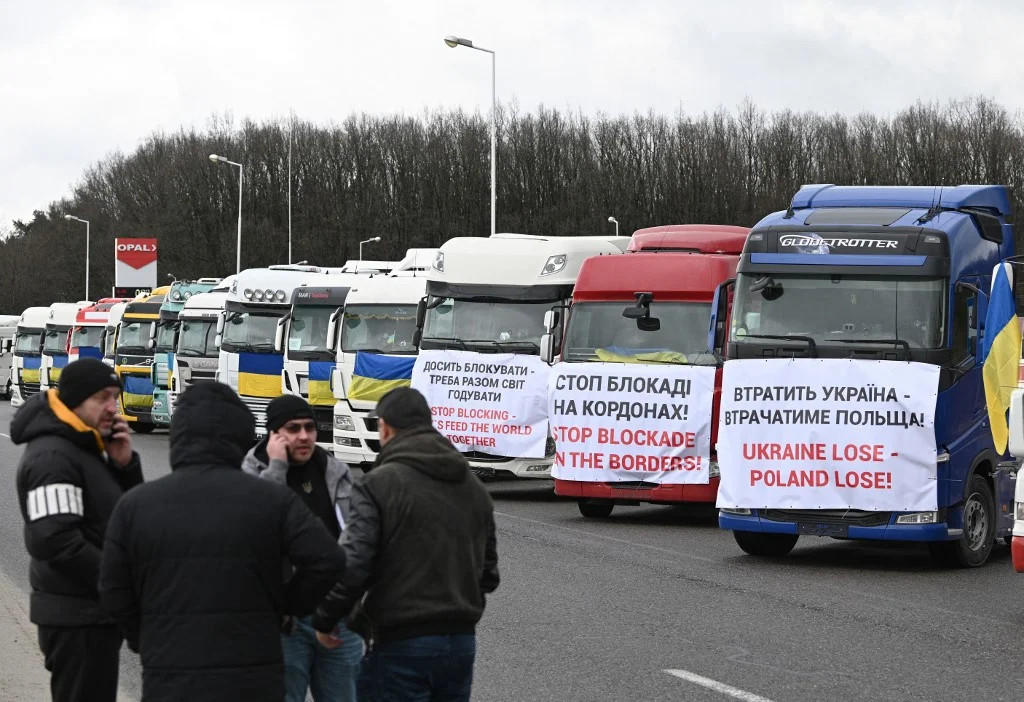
{"x":246,"y":331}
{"x":55,"y":341}
{"x":82,"y":337}
{"x":379,"y":328}
{"x":599,"y":332}
{"x":840,"y":309}
{"x":487,"y":325}
{"x":133,"y":337}
{"x":307,"y":333}
{"x":196,"y":338}
{"x":28,"y":342}
{"x":165,"y":333}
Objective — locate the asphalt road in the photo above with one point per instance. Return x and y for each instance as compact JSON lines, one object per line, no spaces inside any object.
{"x":591,"y":610}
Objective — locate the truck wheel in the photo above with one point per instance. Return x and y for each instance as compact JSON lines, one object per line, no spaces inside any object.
{"x":9,"y":392}
{"x":974,"y":546}
{"x":596,"y":509}
{"x":140,"y":428}
{"x":758,"y":544}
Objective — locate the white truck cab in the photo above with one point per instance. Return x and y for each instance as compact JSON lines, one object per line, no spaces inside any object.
{"x":8,"y":328}
{"x":56,"y":341}
{"x":110,"y":333}
{"x":1015,"y":446}
{"x":491,"y":295}
{"x":379,"y":318}
{"x":196,"y":356}
{"x":28,"y":345}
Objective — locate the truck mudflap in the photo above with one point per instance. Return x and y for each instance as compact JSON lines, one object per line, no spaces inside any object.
{"x":639,"y":491}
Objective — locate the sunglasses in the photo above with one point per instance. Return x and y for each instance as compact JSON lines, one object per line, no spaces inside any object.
{"x":297,"y":427}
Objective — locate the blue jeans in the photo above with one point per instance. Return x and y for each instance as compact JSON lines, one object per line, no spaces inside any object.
{"x":329,"y":674}
{"x":421,"y":669}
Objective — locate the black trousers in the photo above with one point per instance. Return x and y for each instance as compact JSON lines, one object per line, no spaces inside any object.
{"x":82,"y":661}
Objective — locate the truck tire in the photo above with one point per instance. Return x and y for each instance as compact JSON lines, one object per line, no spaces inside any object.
{"x":973,"y":547}
{"x":759,"y":544}
{"x":140,"y":428}
{"x":596,"y":509}
{"x":9,"y":392}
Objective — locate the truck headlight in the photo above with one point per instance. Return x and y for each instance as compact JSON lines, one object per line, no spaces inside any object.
{"x":918,"y":518}
{"x":342,"y":422}
{"x":744,"y":511}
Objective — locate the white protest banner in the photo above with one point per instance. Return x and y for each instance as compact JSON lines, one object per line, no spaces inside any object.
{"x":828,"y":433}
{"x":493,"y":403}
{"x":616,"y":421}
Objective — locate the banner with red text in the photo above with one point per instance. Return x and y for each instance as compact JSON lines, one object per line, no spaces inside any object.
{"x":615,"y":422}
{"x":826,"y":433}
{"x":492,"y":403}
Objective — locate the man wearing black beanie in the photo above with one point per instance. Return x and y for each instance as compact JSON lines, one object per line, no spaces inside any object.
{"x":421,"y":557}
{"x":78,"y":461}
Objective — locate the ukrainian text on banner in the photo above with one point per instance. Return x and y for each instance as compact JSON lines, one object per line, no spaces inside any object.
{"x":828,"y":434}
{"x":493,"y":403}
{"x":615,"y":422}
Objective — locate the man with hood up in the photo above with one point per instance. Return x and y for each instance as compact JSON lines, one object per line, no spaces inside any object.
{"x":290,"y":457}
{"x":77,"y":463}
{"x":192,"y":563}
{"x":421,"y":555}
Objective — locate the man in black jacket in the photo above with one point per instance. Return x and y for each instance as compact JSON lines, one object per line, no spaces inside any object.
{"x":192,"y":564}
{"x":421,"y":548}
{"x":77,"y":463}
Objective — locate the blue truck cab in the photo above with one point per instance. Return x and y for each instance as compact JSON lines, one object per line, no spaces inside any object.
{"x":922,"y":259}
{"x":164,"y":340}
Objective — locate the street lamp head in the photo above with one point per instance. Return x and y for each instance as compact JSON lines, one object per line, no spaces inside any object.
{"x":217,"y":159}
{"x":451,"y":41}
{"x":612,"y":219}
{"x":68,"y":217}
{"x":376,"y":238}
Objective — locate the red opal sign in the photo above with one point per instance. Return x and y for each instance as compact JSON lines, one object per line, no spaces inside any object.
{"x":135,"y":262}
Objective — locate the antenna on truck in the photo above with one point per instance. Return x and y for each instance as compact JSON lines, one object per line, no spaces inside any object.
{"x":934,"y":210}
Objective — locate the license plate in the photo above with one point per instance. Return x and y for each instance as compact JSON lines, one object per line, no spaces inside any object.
{"x":483,"y":472}
{"x":304,"y":386}
{"x":327,"y":427}
{"x":634,"y":493}
{"x":811,"y":529}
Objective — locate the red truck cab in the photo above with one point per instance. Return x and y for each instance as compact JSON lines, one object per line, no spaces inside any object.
{"x":682,"y":266}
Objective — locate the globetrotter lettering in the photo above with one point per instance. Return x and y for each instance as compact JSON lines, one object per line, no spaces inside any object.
{"x":803,"y":240}
{"x":612,"y":422}
{"x":852,"y":434}
{"x":490,"y":403}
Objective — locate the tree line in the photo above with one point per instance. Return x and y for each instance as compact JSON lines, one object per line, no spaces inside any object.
{"x":417,"y":181}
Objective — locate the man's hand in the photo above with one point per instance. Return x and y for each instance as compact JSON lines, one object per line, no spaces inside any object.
{"x":277,"y":447}
{"x":328,"y":641}
{"x":119,"y":445}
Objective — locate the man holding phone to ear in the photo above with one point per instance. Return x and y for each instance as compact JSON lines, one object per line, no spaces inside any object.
{"x":78,"y":461}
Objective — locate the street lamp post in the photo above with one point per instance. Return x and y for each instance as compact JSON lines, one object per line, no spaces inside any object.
{"x":367,"y":241}
{"x":72,"y":217}
{"x":453,"y":41}
{"x":238,"y":249}
{"x":612,"y":219}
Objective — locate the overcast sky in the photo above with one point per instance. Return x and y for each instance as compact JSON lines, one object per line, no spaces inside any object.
{"x":80,"y":79}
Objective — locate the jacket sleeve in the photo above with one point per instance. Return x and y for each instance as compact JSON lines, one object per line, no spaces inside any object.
{"x":361,"y":543}
{"x":491,"y":579}
{"x":53,"y":507}
{"x":313,"y":553}
{"x":117,"y":582}
{"x":131,"y":475}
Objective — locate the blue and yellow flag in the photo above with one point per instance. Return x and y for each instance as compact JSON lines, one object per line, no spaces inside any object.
{"x":615,"y":354}
{"x":259,"y":374}
{"x":138,"y":392}
{"x":59,"y":362}
{"x":375,"y":375}
{"x":1001,"y":354}
{"x":30,"y":369}
{"x":320,"y":394}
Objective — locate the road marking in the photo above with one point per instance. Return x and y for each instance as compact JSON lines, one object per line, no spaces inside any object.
{"x":710,"y":684}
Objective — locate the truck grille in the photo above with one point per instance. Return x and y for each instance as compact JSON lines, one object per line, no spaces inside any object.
{"x":258,"y":407}
{"x":29,"y":389}
{"x":850,"y":517}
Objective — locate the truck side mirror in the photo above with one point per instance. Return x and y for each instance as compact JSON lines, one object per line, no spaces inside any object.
{"x":719,"y":315}
{"x":1016,"y":435}
{"x":279,"y":334}
{"x":332,"y":329}
{"x":217,"y":340}
{"x":220,"y":326}
{"x":551,"y":319}
{"x":151,"y":344}
{"x":547,"y":348}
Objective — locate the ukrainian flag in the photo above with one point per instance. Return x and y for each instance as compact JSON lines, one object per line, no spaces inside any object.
{"x":259,"y":374}
{"x":138,"y":392}
{"x":614,"y":354}
{"x":1000,"y":353}
{"x":375,"y":375}
{"x":58,"y":366}
{"x":30,"y":369}
{"x":320,"y":383}
{"x":89,"y":352}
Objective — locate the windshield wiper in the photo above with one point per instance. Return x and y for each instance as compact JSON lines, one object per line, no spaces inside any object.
{"x":446,"y":338}
{"x":894,"y":342}
{"x":189,"y":353}
{"x":809,"y":341}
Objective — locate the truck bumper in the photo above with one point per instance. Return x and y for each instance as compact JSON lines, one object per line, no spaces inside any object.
{"x":669,"y":494}
{"x":885,"y":532}
{"x":531,"y":468}
{"x":161,"y":410}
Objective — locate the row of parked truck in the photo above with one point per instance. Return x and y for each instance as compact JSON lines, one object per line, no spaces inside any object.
{"x":888,"y":274}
